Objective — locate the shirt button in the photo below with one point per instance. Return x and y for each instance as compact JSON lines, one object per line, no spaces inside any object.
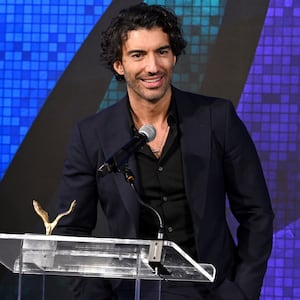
{"x":165,"y":198}
{"x":170,"y":229}
{"x":160,"y":168}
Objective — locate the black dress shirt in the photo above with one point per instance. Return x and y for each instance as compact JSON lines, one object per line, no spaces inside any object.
{"x":162,"y":187}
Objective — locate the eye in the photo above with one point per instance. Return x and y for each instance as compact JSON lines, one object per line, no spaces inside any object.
{"x":163,"y":51}
{"x":136,"y":55}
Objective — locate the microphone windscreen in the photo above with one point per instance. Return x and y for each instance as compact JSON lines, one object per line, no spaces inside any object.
{"x":149,"y":131}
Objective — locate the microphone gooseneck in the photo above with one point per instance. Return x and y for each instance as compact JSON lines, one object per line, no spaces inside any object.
{"x":130,"y":179}
{"x":155,"y":255}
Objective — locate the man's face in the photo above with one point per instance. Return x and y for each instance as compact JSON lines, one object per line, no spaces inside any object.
{"x":147,"y":64}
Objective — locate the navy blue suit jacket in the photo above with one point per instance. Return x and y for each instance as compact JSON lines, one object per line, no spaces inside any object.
{"x":219,"y":159}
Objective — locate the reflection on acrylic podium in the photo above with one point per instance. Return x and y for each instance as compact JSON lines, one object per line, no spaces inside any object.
{"x":100,"y":257}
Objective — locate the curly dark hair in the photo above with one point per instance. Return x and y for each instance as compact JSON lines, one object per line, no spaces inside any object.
{"x":132,"y":18}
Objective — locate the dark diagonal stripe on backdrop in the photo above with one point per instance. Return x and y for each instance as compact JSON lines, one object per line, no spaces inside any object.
{"x":229,"y":64}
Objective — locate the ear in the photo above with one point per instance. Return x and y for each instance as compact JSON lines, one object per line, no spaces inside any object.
{"x":118,"y":67}
{"x":174,"y":61}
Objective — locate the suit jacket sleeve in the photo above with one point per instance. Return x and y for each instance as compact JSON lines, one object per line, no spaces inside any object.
{"x":249,"y":202}
{"x":78,"y":183}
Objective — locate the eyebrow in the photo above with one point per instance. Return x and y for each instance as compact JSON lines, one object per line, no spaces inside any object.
{"x":143,"y":51}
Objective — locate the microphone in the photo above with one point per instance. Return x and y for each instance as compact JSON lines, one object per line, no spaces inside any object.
{"x":146,"y":134}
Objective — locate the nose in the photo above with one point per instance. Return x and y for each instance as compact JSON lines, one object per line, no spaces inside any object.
{"x":151,"y":64}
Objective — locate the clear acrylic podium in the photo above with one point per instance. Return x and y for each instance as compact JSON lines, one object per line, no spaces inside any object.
{"x":100,"y":257}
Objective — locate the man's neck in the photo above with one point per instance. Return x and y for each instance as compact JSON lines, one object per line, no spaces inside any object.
{"x":146,"y":112}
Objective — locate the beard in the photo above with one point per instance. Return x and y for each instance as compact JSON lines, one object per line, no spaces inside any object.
{"x":137,"y":89}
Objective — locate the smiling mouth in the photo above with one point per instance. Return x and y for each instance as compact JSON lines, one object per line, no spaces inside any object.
{"x":152,"y":80}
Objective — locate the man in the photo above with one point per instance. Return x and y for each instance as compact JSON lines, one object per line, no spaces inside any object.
{"x":201,"y":154}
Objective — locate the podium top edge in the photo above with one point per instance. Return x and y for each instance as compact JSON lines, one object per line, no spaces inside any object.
{"x":62,"y":238}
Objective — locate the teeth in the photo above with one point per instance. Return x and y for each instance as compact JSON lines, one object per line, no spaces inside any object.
{"x":152,"y":80}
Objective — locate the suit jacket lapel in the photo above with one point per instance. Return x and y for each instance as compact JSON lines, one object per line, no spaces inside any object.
{"x":116,"y":137}
{"x":194,"y":127}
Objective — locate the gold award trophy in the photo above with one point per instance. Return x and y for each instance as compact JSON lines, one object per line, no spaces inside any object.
{"x":49,"y":226}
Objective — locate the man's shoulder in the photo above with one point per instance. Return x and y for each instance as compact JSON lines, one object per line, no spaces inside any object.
{"x":197,"y":99}
{"x":104,"y":115}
